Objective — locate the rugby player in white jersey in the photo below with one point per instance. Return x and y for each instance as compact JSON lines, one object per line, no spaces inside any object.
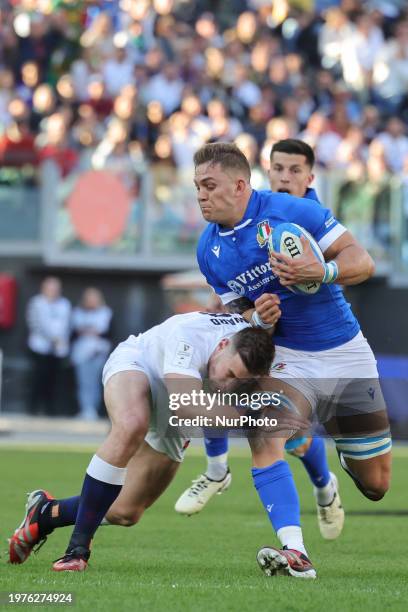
{"x":291,"y":171}
{"x":141,"y":454}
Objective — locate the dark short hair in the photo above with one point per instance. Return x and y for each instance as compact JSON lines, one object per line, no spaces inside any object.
{"x":256,"y":349}
{"x":227,"y":155}
{"x":293,"y":146}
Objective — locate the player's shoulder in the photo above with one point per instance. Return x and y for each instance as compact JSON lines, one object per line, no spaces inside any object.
{"x":197,"y":321}
{"x":272,"y":200}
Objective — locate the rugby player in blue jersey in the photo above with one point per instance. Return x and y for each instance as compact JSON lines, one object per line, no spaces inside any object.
{"x":317,"y":337}
{"x":290,"y":172}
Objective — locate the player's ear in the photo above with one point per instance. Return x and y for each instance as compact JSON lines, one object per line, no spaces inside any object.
{"x":240,"y":186}
{"x":223,"y":344}
{"x":311,"y":179}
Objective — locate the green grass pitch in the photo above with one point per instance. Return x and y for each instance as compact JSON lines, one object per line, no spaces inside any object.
{"x":207,"y":562}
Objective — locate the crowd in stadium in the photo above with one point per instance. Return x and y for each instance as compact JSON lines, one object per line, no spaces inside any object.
{"x":111,"y":84}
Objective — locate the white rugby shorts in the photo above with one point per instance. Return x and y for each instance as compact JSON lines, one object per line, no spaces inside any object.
{"x":344,"y":378}
{"x":128,"y":356}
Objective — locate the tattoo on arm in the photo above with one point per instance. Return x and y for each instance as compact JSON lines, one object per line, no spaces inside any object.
{"x":239,"y":305}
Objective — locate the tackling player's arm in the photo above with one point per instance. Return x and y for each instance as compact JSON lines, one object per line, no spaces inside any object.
{"x":187,"y":393}
{"x":206,"y":405}
{"x":266,"y":308}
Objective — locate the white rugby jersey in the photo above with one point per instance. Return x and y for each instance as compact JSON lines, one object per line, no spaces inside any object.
{"x":184,"y":343}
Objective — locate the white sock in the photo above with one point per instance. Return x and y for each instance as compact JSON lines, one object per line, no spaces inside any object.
{"x":292,"y":537}
{"x":106,"y":472}
{"x":105,"y":522}
{"x":325,"y":495}
{"x":217,"y":467}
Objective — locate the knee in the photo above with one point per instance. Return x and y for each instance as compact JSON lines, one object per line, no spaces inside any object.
{"x":298,"y":447}
{"x":376,"y":484}
{"x":131,"y":430}
{"x":126,"y":518}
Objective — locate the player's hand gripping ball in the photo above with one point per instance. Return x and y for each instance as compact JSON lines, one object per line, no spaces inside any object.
{"x":286,"y":239}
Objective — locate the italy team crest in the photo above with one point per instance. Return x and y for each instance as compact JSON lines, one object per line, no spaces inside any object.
{"x":264,"y":231}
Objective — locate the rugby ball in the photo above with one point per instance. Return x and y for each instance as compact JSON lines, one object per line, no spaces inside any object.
{"x":285,"y":238}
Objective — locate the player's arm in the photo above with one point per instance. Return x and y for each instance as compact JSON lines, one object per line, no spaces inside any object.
{"x":241,"y":305}
{"x":181,"y":387}
{"x":354,"y":264}
{"x":187,"y":398}
{"x":264,"y":312}
{"x":348,"y":263}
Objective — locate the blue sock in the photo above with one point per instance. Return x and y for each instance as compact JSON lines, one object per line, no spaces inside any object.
{"x":96,"y":499}
{"x":58,"y":513}
{"x":315,"y":462}
{"x":216,"y":446}
{"x":102,"y":484}
{"x":277,"y":491}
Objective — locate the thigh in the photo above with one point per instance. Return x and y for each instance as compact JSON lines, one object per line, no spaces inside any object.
{"x":148,"y":475}
{"x":127,"y":395}
{"x":358,"y":425}
{"x":267,"y":445}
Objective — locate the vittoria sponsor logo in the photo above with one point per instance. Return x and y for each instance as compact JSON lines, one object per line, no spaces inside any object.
{"x":263,"y":233}
{"x":252,"y":279}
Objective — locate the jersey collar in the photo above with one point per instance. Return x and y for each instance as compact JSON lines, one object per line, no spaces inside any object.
{"x":311,"y":194}
{"x":250,"y":213}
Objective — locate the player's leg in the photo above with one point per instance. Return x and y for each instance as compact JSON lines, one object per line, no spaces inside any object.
{"x":359,"y":421}
{"x":312,"y":453}
{"x":216,"y":450}
{"x":276,"y":488}
{"x":149,"y":473}
{"x":300,"y":369}
{"x":215,"y":480}
{"x":364,"y":444}
{"x":127,"y":396}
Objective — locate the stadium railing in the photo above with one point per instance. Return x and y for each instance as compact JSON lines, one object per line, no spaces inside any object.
{"x":161,"y":219}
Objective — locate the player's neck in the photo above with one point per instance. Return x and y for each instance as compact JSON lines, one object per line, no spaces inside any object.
{"x":237,"y":213}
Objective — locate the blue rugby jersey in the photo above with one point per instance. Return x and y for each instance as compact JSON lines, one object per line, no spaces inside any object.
{"x":235,"y":263}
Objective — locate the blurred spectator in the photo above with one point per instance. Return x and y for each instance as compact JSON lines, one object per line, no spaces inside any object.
{"x":391,"y":70}
{"x":98,"y":98}
{"x":358,"y":52}
{"x":324,"y":140}
{"x":115,"y":154}
{"x":17,"y":145}
{"x":333,"y":35}
{"x":98,"y":38}
{"x":91,"y":322}
{"x":48,"y":320}
{"x":43,"y":105}
{"x":53,"y":144}
{"x":249,"y":147}
{"x":371,"y":122}
{"x":395,"y":144}
{"x":165,"y":87}
{"x":117,"y":72}
{"x":351,"y":149}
